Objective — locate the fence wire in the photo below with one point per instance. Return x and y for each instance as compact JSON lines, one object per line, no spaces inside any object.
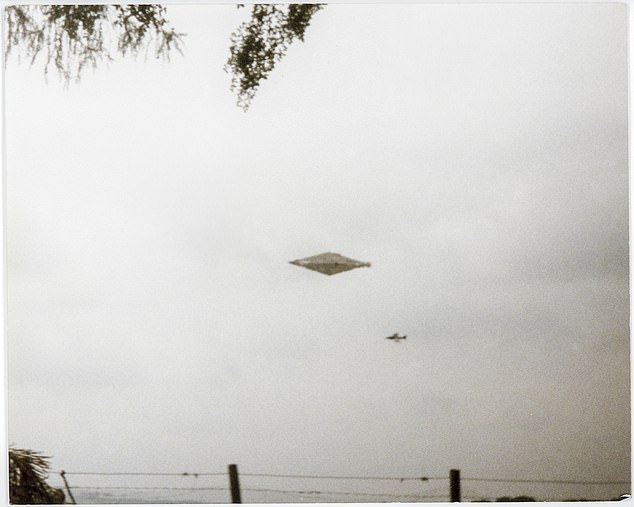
{"x":204,"y":487}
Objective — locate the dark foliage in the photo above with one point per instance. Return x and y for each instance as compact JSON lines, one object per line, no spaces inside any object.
{"x":256,"y":46}
{"x":28,"y":471}
{"x":522,"y":498}
{"x":72,"y":37}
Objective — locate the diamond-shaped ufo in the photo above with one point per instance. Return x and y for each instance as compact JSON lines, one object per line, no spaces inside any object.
{"x":329,"y":263}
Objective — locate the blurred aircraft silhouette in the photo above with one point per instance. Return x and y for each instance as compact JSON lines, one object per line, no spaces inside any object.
{"x":396,"y":337}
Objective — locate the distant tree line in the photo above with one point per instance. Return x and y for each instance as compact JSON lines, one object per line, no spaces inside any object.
{"x":520,"y":498}
{"x":524,"y":498}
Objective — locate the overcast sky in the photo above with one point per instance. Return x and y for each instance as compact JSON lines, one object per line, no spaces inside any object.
{"x":475,"y":154}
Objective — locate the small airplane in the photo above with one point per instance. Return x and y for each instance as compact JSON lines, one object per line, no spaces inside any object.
{"x":396,"y":337}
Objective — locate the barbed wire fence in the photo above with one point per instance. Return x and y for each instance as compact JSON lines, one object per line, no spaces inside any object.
{"x":231,"y":487}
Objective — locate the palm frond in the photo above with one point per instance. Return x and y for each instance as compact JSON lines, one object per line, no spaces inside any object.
{"x":28,"y":471}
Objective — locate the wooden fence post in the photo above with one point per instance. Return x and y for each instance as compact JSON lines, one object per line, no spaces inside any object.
{"x":63,"y":474}
{"x":454,"y":485}
{"x":234,"y":484}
